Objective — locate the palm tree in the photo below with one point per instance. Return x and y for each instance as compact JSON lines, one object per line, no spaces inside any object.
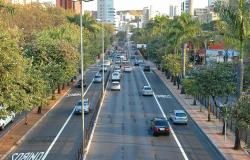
{"x":235,"y":29}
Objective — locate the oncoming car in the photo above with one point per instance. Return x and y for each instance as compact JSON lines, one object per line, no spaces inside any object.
{"x":78,"y":106}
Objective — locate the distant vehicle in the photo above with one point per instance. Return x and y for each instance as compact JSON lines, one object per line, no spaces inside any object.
{"x":125,"y":61}
{"x":128,"y":68}
{"x":160,"y":126}
{"x":140,"y":61}
{"x":107,"y":62}
{"x":79,"y":84}
{"x":117,"y":61}
{"x":78,"y":106}
{"x":116,"y":85}
{"x":179,"y":116}
{"x":147,"y":91}
{"x":136,"y":63}
{"x":146,"y":69}
{"x":105,"y":67}
{"x":116,"y":76}
{"x":5,"y":120}
{"x":98,"y":78}
{"x":117,"y":69}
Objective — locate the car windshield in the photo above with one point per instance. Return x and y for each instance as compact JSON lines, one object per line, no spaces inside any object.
{"x":79,"y":103}
{"x":180,"y":115}
{"x":115,"y":84}
{"x":161,"y":123}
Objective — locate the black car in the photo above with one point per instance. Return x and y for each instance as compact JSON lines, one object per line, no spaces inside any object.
{"x":79,"y":84}
{"x":136,"y":63}
{"x":146,"y":69}
{"x":160,"y":126}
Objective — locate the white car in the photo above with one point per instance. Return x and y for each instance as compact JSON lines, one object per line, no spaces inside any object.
{"x":107,"y":62}
{"x":98,"y":78}
{"x":179,"y":116}
{"x":117,"y":69}
{"x":6,"y":120}
{"x":128,"y":68}
{"x":147,"y":91}
{"x":116,"y":76}
{"x":116,"y":86}
{"x":78,"y":106}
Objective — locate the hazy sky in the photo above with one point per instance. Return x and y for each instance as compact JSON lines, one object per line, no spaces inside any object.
{"x":139,"y":4}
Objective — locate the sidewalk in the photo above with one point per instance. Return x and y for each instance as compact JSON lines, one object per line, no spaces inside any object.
{"x":211,"y":129}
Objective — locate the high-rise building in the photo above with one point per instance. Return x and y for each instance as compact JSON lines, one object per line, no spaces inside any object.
{"x":145,"y":16}
{"x":106,"y":11}
{"x":173,"y":10}
{"x":187,"y":6}
{"x":69,"y":5}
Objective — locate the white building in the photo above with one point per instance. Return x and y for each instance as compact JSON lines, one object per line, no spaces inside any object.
{"x":174,"y":11}
{"x":106,"y":11}
{"x":186,"y":6}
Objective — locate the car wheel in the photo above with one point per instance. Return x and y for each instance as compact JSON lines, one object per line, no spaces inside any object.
{"x":2,"y":127}
{"x":168,"y":134}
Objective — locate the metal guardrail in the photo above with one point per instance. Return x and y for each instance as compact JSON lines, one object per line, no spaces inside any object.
{"x":88,"y":129}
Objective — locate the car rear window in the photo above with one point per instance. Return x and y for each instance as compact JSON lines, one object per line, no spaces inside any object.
{"x":161,"y":123}
{"x":147,"y":88}
{"x":180,"y":115}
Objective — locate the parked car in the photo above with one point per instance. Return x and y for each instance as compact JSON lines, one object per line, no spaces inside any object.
{"x":179,"y":116}
{"x":140,"y":61}
{"x":116,"y":76}
{"x":146,"y":69}
{"x":5,"y":120}
{"x":160,"y":126}
{"x":98,"y":78}
{"x":147,"y":91}
{"x":107,"y":62}
{"x":79,"y":84}
{"x":78,"y":106}
{"x":128,"y":68}
{"x":116,"y":86}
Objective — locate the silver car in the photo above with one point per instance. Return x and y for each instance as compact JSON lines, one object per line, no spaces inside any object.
{"x":116,"y":86}
{"x":147,"y":91}
{"x":98,"y":78}
{"x":179,"y":116}
{"x":78,"y":106}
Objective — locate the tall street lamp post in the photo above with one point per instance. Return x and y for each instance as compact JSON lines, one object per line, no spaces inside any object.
{"x":82,"y":66}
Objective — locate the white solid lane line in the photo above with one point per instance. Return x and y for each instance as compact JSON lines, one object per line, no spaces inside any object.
{"x":64,"y":125}
{"x":164,"y":115}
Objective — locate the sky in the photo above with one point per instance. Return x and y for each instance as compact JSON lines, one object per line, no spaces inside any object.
{"x":158,"y":5}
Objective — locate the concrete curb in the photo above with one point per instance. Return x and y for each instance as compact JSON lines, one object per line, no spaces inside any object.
{"x":176,"y":95}
{"x":31,"y":129}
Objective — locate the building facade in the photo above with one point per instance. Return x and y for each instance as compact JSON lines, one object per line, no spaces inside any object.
{"x":73,"y":5}
{"x":106,"y":11}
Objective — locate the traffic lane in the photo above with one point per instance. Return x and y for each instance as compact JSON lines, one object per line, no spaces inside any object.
{"x":69,"y":141}
{"x":122,"y":131}
{"x":44,"y":133}
{"x":20,"y":116}
{"x":194,"y":142}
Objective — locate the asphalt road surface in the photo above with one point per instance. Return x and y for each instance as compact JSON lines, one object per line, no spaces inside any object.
{"x":122,"y":131}
{"x":41,"y":137}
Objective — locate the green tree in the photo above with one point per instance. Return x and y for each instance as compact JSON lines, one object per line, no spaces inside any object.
{"x":240,"y":112}
{"x":235,"y":29}
{"x":216,"y":81}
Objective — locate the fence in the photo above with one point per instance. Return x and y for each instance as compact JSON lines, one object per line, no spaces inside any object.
{"x":88,"y":129}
